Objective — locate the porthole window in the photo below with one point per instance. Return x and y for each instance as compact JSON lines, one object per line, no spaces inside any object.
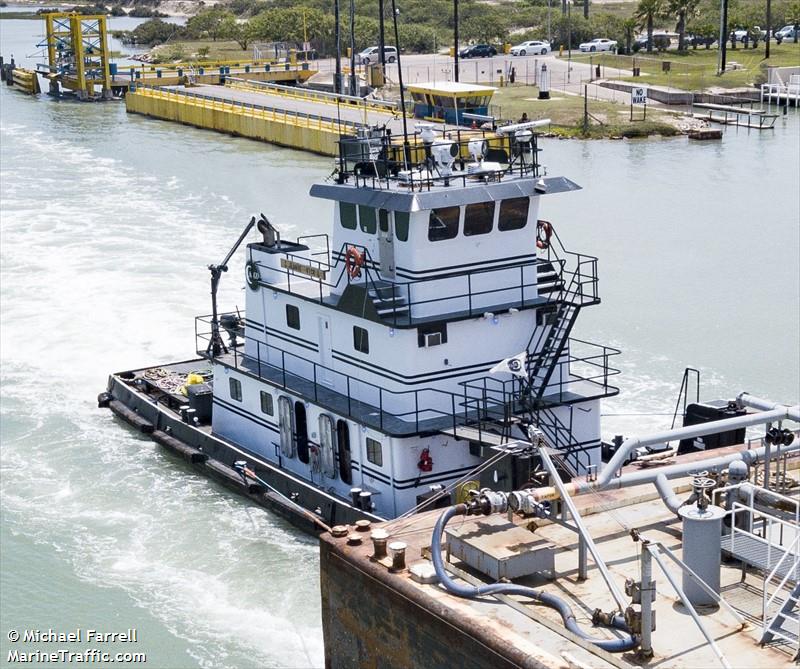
{"x":513,"y":214}
{"x":236,"y":389}
{"x":478,"y":218}
{"x":266,"y":403}
{"x":347,"y":215}
{"x":366,"y":219}
{"x":292,"y":317}
{"x":360,"y":339}
{"x":374,"y":452}
{"x":443,"y":223}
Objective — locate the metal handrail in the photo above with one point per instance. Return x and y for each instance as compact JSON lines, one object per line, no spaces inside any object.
{"x":766,"y":604}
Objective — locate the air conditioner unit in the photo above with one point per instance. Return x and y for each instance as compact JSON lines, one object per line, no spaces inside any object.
{"x":433,"y":339}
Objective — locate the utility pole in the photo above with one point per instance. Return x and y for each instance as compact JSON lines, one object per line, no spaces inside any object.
{"x":455,"y":38}
{"x":586,"y":9}
{"x":723,"y":35}
{"x":382,"y":36}
{"x":769,"y":27}
{"x":549,"y":31}
{"x":353,"y":77}
{"x":337,"y":75}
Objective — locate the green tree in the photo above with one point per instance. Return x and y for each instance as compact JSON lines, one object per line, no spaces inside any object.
{"x":209,"y":22}
{"x":646,"y":12}
{"x":681,"y":9}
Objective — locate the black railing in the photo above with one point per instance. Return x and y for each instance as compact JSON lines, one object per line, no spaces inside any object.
{"x":487,"y":398}
{"x":377,"y":159}
{"x":331,"y":273}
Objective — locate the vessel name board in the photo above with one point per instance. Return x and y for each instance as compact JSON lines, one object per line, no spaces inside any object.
{"x":300,"y":268}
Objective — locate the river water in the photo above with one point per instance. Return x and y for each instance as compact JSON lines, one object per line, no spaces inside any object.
{"x":108,"y":223}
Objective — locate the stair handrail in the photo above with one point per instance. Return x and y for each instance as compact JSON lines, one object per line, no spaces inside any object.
{"x":791,"y":550}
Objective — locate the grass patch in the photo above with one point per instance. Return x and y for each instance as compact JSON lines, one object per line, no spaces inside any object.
{"x":19,"y":15}
{"x":696,"y":70}
{"x":202,"y":50}
{"x":608,"y":119}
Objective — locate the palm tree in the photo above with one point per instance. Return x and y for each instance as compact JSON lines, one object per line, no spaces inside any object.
{"x":628,"y":26}
{"x":646,"y":12}
{"x":680,"y":9}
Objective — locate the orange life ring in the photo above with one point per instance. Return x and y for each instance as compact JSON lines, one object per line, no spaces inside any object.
{"x":544,"y":231}
{"x":353,"y":261}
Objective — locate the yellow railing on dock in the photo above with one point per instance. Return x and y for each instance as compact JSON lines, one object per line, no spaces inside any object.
{"x":280,"y":126}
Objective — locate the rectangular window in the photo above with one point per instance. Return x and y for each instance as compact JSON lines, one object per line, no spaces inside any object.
{"x":266,"y":403}
{"x":443,"y":223}
{"x":360,"y":339}
{"x":383,"y":220}
{"x":292,"y":317}
{"x":366,"y":219}
{"x":401,"y":225}
{"x":347,"y":215}
{"x":236,"y":389}
{"x":513,"y":214}
{"x":374,"y":452}
{"x":478,"y":218}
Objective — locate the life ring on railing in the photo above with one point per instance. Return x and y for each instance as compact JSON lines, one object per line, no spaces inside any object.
{"x":353,"y":262}
{"x":544,"y":231}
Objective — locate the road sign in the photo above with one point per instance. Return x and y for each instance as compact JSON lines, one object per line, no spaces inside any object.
{"x":639,"y":95}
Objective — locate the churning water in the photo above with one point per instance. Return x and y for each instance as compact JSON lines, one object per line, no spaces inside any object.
{"x":108,"y":223}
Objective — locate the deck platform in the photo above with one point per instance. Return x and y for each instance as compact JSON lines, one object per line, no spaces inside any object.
{"x":394,"y":621}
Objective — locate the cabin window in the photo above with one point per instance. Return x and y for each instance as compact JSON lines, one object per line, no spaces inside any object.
{"x":383,"y":220}
{"x":236,"y":389}
{"x":343,"y":442}
{"x":301,"y":432}
{"x":327,"y":446}
{"x":360,"y":339}
{"x":347,"y":215}
{"x":401,"y":225}
{"x":513,"y":214}
{"x":478,"y":218}
{"x":266,"y":403}
{"x":443,"y":223}
{"x":374,"y":452}
{"x":366,"y":219}
{"x":293,"y":317}
{"x":432,"y":335}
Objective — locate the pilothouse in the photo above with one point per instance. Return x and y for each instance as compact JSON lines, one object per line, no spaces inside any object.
{"x":398,"y":361}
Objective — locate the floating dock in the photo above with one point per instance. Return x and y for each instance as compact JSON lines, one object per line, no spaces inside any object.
{"x":296,"y":120}
{"x":383,"y":605}
{"x":758,"y":119}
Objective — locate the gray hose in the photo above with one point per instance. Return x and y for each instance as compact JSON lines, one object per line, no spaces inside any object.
{"x":612,"y":645}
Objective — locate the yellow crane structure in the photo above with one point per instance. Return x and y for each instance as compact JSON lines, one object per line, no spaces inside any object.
{"x":77,"y":54}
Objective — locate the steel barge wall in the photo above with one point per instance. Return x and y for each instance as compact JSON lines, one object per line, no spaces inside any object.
{"x":370,"y":620}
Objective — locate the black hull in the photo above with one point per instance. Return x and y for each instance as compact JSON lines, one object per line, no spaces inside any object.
{"x":214,"y":457}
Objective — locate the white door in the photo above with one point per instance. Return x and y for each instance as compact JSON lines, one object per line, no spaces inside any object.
{"x":386,"y":244}
{"x":325,"y":372}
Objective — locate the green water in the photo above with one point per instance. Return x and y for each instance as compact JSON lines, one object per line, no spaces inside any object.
{"x":108,"y":223}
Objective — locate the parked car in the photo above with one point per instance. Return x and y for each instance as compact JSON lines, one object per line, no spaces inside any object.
{"x":698,"y":40}
{"x":741,"y":33}
{"x":785,"y":33}
{"x":372,"y":55}
{"x":661,"y":42}
{"x":599,"y":44}
{"x":478,"y":51}
{"x":532,"y":47}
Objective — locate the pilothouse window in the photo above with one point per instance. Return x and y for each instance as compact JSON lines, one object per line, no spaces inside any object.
{"x":513,"y":214}
{"x":401,"y":225}
{"x":236,"y":389}
{"x":443,"y":223}
{"x":347,"y":215}
{"x":292,"y":317}
{"x":478,"y":218}
{"x":366,"y":219}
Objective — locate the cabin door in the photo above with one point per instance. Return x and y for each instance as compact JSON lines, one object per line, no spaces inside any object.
{"x":325,"y":372}
{"x":386,"y":244}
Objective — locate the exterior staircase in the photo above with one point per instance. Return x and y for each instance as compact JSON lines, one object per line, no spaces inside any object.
{"x":389,"y":301}
{"x":785,"y":623}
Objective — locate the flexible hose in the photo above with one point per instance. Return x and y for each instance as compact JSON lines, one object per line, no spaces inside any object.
{"x":471,"y":592}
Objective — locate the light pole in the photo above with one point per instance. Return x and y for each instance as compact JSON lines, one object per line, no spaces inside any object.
{"x":353,"y":77}
{"x":337,"y":75}
{"x":569,"y":41}
{"x":455,"y":37}
{"x":382,"y":36}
